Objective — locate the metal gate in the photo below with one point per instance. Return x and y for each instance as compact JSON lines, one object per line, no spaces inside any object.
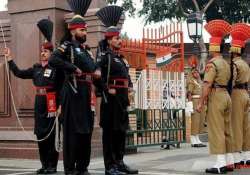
{"x":159,"y":101}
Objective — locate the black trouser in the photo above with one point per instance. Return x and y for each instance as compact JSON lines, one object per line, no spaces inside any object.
{"x":113,"y":146}
{"x":76,"y":151}
{"x":48,"y":154}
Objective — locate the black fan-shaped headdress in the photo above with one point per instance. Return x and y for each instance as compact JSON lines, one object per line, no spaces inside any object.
{"x":79,"y":7}
{"x":46,"y":28}
{"x":110,"y":15}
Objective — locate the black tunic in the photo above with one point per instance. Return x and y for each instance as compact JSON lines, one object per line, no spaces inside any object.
{"x":43,"y":124}
{"x":76,"y":107}
{"x":114,"y":113}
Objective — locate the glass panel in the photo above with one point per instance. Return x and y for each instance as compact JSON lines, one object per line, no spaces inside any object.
{"x":199,"y":28}
{"x":192,"y":29}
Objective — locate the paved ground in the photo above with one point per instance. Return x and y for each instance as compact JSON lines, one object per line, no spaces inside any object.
{"x":150,"y":161}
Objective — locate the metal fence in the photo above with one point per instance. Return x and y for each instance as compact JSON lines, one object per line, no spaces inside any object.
{"x":159,"y":100}
{"x":156,"y":127}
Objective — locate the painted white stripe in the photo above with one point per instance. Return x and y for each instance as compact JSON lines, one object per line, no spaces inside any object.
{"x":13,"y":169}
{"x":157,"y":173}
{"x":142,"y":172}
{"x":21,"y":173}
{"x":27,"y":171}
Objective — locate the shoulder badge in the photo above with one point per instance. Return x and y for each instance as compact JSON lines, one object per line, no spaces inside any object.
{"x":64,"y":46}
{"x":208,"y":67}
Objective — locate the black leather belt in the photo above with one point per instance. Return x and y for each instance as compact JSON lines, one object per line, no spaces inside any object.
{"x":241,"y":86}
{"x":218,"y":86}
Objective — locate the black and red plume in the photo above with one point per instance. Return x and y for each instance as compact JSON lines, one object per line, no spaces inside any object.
{"x":79,"y":7}
{"x":110,"y":15}
{"x":46,"y":28}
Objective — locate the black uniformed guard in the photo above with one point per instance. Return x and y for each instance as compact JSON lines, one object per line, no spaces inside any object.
{"x":48,"y":82}
{"x":116,"y":84}
{"x":73,"y":57}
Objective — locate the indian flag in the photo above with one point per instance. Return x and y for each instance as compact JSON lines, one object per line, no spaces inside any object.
{"x":162,"y":61}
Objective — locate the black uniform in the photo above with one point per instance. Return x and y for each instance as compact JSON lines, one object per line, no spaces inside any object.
{"x":76,"y":105}
{"x":114,"y":115}
{"x":51,"y":81}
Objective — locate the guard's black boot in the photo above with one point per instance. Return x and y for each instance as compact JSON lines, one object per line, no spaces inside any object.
{"x":222,"y":170}
{"x":121,"y":166}
{"x":41,"y":171}
{"x":113,"y":171}
{"x":86,"y":172}
{"x":198,"y":145}
{"x":51,"y":170}
{"x":70,"y":172}
{"x":201,"y":145}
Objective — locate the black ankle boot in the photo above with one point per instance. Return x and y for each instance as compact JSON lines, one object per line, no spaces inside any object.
{"x":121,"y":166}
{"x":51,"y":170}
{"x":41,"y":171}
{"x":222,"y":170}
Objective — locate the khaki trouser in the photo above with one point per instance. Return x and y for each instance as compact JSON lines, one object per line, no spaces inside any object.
{"x":246,"y":142}
{"x":219,"y":122}
{"x":203,"y":120}
{"x":197,"y":119}
{"x":240,"y":120}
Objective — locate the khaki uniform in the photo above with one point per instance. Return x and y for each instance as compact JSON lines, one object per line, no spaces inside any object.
{"x":240,"y":108}
{"x":194,"y":87}
{"x":219,"y":107}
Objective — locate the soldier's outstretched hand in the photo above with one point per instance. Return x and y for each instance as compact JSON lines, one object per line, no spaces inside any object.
{"x":199,"y":107}
{"x":7,"y":53}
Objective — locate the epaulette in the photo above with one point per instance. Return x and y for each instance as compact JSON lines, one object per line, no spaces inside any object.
{"x":90,"y":53}
{"x":64,"y":46}
{"x":210,"y":62}
{"x":61,"y":49}
{"x":125,"y":61}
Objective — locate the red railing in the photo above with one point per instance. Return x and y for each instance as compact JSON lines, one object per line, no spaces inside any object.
{"x":154,"y":44}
